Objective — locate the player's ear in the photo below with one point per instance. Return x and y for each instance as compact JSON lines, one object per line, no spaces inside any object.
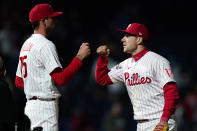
{"x":139,"y":40}
{"x":43,"y":21}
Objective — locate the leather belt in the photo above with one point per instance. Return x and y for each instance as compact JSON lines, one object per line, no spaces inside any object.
{"x":144,"y":120}
{"x":42,"y":99}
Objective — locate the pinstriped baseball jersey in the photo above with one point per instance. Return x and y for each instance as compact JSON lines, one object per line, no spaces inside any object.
{"x":144,"y":80}
{"x":38,"y":58}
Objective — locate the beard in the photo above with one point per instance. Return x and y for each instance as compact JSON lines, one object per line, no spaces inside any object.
{"x":49,"y":30}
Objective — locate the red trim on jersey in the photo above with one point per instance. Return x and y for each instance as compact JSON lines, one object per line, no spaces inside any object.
{"x":139,"y":55}
{"x":19,"y":82}
{"x":171,"y":96}
{"x":101,"y":71}
{"x":63,"y":76}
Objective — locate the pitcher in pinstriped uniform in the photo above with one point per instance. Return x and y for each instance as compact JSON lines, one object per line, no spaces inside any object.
{"x":39,"y":68}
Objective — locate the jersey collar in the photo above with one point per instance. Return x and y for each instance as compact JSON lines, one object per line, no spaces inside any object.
{"x":139,"y":55}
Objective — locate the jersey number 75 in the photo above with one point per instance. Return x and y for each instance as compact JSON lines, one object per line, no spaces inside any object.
{"x":23,"y":66}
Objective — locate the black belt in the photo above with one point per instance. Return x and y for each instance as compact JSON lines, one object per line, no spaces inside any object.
{"x":144,"y":120}
{"x":42,"y":99}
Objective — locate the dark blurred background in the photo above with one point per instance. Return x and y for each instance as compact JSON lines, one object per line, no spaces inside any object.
{"x":85,"y":105}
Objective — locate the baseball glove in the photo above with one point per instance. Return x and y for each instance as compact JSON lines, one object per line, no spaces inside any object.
{"x":161,"y":128}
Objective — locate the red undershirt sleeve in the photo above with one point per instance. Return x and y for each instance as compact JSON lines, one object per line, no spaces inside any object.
{"x":171,"y":96}
{"x":63,"y":76}
{"x":101,"y":71}
{"x":19,"y":82}
{"x":60,"y":76}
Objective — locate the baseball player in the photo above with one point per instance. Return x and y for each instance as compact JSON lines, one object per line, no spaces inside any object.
{"x":39,"y":69}
{"x":148,"y":78}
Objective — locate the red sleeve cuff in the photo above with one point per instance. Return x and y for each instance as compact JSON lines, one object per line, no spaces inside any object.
{"x":78,"y":61}
{"x":165,"y":119}
{"x":102,"y":61}
{"x":19,"y":82}
{"x":101,"y":71}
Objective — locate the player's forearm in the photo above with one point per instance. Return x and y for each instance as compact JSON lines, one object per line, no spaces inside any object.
{"x":101,"y":71}
{"x":64,"y":76}
{"x":19,"y":82}
{"x":171,"y":96}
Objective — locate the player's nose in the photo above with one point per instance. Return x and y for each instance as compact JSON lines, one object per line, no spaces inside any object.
{"x":122,"y":40}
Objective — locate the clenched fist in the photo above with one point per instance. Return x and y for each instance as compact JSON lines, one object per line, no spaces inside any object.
{"x":103,"y":50}
{"x":84,"y":51}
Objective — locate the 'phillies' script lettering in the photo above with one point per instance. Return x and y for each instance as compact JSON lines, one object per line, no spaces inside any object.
{"x":135,"y":79}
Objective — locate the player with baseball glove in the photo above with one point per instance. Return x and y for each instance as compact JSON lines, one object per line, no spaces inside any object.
{"x":148,"y":78}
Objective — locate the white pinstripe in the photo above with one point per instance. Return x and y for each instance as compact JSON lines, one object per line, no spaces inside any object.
{"x":41,"y":60}
{"x":145,"y":91}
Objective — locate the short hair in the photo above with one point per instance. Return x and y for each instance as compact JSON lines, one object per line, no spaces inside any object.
{"x":35,"y":25}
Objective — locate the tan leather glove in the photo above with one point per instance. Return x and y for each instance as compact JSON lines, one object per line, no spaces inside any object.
{"x":161,"y":126}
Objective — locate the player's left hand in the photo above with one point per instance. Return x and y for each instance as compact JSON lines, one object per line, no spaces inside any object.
{"x":162,"y":126}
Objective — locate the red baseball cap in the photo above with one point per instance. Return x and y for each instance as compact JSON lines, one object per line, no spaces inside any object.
{"x":138,"y":30}
{"x":41,"y":11}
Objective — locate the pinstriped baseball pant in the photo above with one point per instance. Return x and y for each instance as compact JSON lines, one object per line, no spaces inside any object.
{"x":43,"y":113}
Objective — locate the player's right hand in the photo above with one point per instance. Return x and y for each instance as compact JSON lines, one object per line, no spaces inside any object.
{"x":84,"y":51}
{"x":103,"y":50}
